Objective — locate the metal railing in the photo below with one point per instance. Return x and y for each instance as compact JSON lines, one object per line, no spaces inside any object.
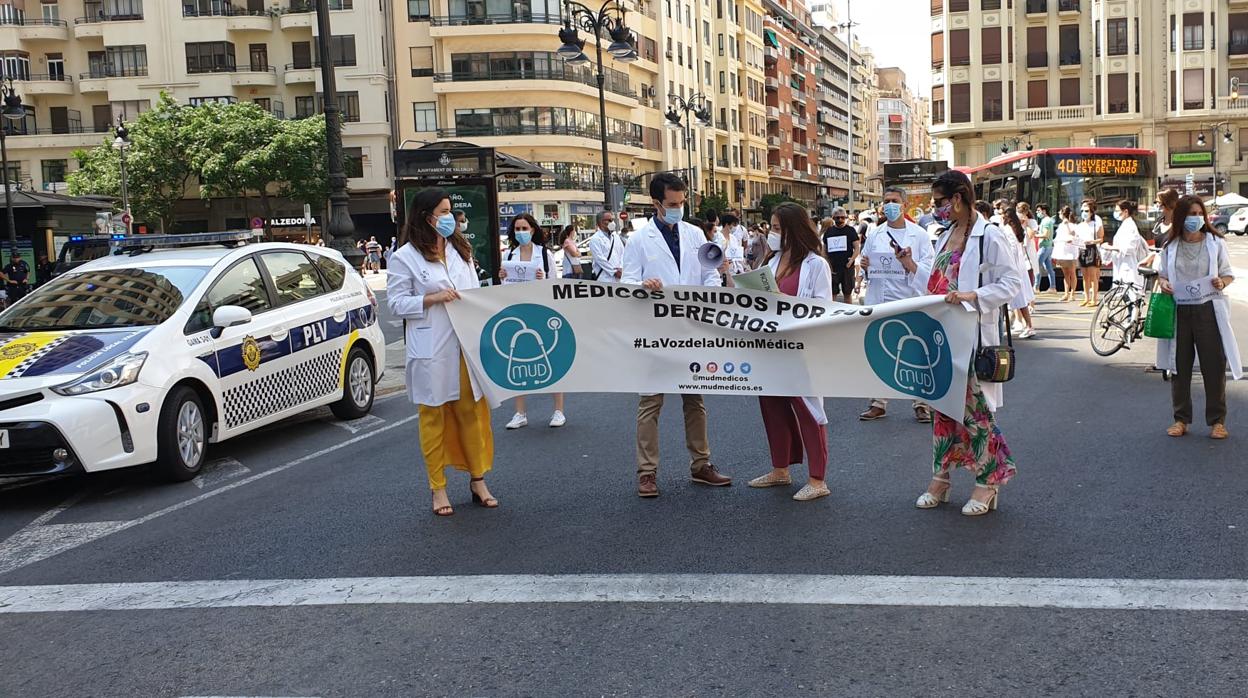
{"x":616,"y":84}
{"x":527,"y":130}
{"x":1037,"y":59}
{"x":58,"y":131}
{"x":108,"y":18}
{"x":501,"y":18}
{"x":205,"y":70}
{"x":1237,"y":47}
{"x":256,"y":69}
{"x":96,"y":74}
{"x":1068,"y":5}
{"x":43,"y":77}
{"x":25,"y":22}
{"x":1070,"y":58}
{"x":308,"y":65}
{"x":1035,"y":7}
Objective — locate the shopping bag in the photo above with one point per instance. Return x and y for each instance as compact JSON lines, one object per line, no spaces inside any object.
{"x":1159,"y":323}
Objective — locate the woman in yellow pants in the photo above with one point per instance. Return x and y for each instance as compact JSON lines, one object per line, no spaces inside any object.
{"x":431,"y":265}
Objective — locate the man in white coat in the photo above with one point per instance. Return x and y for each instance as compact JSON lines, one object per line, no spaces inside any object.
{"x":897,"y":259}
{"x":664,"y":252}
{"x":607,"y":249}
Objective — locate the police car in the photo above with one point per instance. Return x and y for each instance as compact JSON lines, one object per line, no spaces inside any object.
{"x":177,"y":341}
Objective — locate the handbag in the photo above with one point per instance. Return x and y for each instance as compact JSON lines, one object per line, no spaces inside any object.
{"x":993,"y":364}
{"x":1088,"y":256}
{"x":1159,"y":323}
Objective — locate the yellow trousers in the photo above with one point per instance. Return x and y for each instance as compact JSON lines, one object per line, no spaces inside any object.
{"x":457,"y":435}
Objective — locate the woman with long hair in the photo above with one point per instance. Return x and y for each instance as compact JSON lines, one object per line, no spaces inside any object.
{"x":975,"y":264}
{"x":566,"y":242}
{"x":432,"y":264}
{"x":794,"y":424}
{"x":526,"y":242}
{"x":1066,"y":252}
{"x":1091,"y":234}
{"x":1196,"y":268}
{"x":1031,"y":243}
{"x":1166,"y":200}
{"x":1021,"y":305}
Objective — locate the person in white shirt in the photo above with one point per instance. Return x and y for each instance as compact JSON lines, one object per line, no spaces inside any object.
{"x":1066,"y":252}
{"x":905,"y":255}
{"x":607,"y":249}
{"x":734,"y":248}
{"x":664,"y":252}
{"x":1091,"y":232}
{"x":1128,"y":250}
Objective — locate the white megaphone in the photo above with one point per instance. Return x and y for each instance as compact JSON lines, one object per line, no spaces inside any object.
{"x":711,"y":255}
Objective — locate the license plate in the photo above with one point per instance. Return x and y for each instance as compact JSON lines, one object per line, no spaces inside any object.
{"x":4,"y":438}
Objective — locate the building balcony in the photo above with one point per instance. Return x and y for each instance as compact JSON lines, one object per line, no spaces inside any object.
{"x":1043,"y":116}
{"x":33,"y":30}
{"x":97,"y":80}
{"x":254,"y":75}
{"x":46,"y":84}
{"x":300,"y":73}
{"x":800,"y":121}
{"x":1037,"y":60}
{"x":1037,"y":7}
{"x":297,"y":16}
{"x":249,"y":22}
{"x":772,"y":84}
{"x":771,"y":54}
{"x":1068,"y":6}
{"x":1237,"y":48}
{"x":773,"y":113}
{"x":773,"y":142}
{"x":515,"y":17}
{"x":616,"y":82}
{"x":800,"y":149}
{"x":534,"y":130}
{"x":1070,"y":59}
{"x":66,"y":137}
{"x":1238,"y":105}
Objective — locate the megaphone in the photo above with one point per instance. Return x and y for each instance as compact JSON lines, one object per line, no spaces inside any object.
{"x":711,"y":255}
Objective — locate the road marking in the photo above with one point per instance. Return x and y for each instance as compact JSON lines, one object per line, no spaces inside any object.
{"x":218,"y":471}
{"x":820,"y":590}
{"x":355,"y":426}
{"x":31,"y":544}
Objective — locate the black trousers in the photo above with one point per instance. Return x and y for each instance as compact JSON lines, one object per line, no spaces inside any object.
{"x":1196,"y":334}
{"x":843,"y":282}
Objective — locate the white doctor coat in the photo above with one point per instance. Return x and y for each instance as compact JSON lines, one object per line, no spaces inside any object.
{"x":1216,"y":247}
{"x":814,"y":280}
{"x":607,"y":250}
{"x":647,"y":256}
{"x":433,"y":351}
{"x":1001,"y":283}
{"x":1126,"y":253}
{"x":880,"y":290}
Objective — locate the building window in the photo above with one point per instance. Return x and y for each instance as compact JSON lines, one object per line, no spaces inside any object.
{"x":989,"y":4}
{"x":422,"y":61}
{"x":1037,"y":94}
{"x":348,"y":105}
{"x":1069,"y":92}
{"x":425,"y":115}
{"x":1194,"y":88}
{"x":960,"y":103}
{"x":1238,"y":27}
{"x":990,"y":45}
{"x":960,"y":47}
{"x":353,"y":162}
{"x":993,"y":110}
{"x":201,"y":101}
{"x":417,"y":10}
{"x":1119,"y":103}
{"x":118,"y":61}
{"x":1116,"y":42}
{"x":304,"y":107}
{"x":938,"y":104}
{"x":1068,"y":44}
{"x":1037,"y":47}
{"x":1193,"y":31}
{"x":938,"y":50}
{"x":210,"y":57}
{"x":53,"y":170}
{"x":342,"y":50}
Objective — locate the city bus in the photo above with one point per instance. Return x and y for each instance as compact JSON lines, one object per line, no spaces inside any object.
{"x":1066,"y":176}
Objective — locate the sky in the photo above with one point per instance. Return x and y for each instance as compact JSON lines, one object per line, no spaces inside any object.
{"x":898,"y":33}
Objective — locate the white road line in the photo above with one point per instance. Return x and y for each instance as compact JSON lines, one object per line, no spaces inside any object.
{"x":820,"y":590}
{"x":355,"y":426}
{"x":218,"y":471}
{"x":40,"y":541}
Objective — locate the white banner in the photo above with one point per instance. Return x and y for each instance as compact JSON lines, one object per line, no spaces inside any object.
{"x":590,"y":337}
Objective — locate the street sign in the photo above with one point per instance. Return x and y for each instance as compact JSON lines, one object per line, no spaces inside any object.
{"x":125,"y":218}
{"x":1189,"y":183}
{"x":257,"y":223}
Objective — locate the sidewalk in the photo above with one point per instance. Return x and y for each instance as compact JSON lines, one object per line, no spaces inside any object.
{"x":392,"y":381}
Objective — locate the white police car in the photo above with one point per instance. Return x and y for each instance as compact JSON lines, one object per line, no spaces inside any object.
{"x":150,"y":354}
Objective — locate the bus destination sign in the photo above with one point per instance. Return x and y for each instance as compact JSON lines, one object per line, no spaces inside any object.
{"x":1102,"y":165}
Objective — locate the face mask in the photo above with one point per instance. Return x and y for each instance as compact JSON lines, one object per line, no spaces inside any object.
{"x":1193,"y":223}
{"x":524,"y":237}
{"x":892,"y":211}
{"x":613,"y":226}
{"x":773,"y":242}
{"x":672,"y":216}
{"x":1118,"y":216}
{"x":943,"y":214}
{"x":446,"y":225}
{"x":1087,"y":215}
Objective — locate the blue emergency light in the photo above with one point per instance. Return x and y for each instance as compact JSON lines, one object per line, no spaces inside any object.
{"x":229,"y":238}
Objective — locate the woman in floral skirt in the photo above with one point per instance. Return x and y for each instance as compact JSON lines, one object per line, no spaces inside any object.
{"x":971,"y":440}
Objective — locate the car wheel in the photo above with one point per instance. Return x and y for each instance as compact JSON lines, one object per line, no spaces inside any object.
{"x":1221,"y":228}
{"x":357,"y":387}
{"x":182,"y":436}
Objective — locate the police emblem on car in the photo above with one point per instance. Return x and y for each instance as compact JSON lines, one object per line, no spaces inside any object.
{"x":251,"y":353}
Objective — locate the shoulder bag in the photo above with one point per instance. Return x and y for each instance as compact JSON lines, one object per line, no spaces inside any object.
{"x":993,"y":364}
{"x":610,"y":251}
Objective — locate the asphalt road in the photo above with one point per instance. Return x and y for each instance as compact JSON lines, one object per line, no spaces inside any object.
{"x":1102,"y":493}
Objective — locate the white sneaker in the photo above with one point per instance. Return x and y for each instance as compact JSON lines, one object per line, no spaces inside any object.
{"x":1018,"y":328}
{"x":519,"y":420}
{"x":1027,"y":333}
{"x":557,"y":419}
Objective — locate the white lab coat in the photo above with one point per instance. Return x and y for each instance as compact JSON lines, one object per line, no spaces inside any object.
{"x":1216,"y":247}
{"x":647,"y":256}
{"x":1002,"y":282}
{"x":433,"y":351}
{"x":607,"y":250}
{"x":814,"y":280}
{"x":735,"y":254}
{"x":912,"y":236}
{"x":1126,"y":253}
{"x":1026,"y":294}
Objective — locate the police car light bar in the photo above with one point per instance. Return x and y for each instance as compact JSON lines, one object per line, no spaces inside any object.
{"x":229,"y":238}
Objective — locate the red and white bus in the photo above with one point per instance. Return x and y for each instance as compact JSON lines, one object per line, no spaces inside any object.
{"x":1066,"y":176}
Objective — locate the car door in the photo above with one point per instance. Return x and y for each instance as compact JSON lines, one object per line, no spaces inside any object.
{"x":251,"y":359}
{"x":319,"y":328}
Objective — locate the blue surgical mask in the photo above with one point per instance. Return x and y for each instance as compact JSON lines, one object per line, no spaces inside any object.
{"x":524,"y":237}
{"x":672,"y":216}
{"x":1087,"y":215}
{"x":446,"y":225}
{"x":892,"y":211}
{"x":1193,"y":223}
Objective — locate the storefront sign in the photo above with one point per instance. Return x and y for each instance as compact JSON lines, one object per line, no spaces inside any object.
{"x":299,"y":222}
{"x":918,"y":171}
{"x":508,"y":211}
{"x":1191,"y":159}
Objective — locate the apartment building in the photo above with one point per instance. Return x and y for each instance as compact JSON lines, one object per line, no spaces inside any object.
{"x":1157,"y":74}
{"x":901,"y":118}
{"x":80,"y":66}
{"x":791,"y":56}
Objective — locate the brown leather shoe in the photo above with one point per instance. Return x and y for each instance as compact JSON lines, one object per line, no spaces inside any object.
{"x":872,"y":414}
{"x":708,"y":475}
{"x":1177,"y":429}
{"x":646,"y":485}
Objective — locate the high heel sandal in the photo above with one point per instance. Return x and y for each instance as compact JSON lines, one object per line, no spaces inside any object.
{"x":444,"y":510}
{"x":488,"y":502}
{"x":927,"y":500}
{"x":974,"y":507}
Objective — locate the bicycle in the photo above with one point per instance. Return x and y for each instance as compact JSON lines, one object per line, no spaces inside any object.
{"x":1119,"y":319}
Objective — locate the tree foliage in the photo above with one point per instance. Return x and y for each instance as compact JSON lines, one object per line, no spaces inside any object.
{"x":229,"y":150}
{"x":770,"y":201}
{"x":713,"y":202}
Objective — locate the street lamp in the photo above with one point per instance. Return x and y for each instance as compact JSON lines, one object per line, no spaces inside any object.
{"x":848,"y":26}
{"x":121,"y":143}
{"x":339,"y":231}
{"x":1017,"y":142}
{"x":1226,"y":138}
{"x":699,"y":105}
{"x":13,"y":111}
{"x":623,"y":47}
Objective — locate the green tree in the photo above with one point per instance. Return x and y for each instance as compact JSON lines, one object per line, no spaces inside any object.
{"x":157,"y":168}
{"x":713,"y":202}
{"x":228,"y":147}
{"x":302,"y":160}
{"x":770,"y":201}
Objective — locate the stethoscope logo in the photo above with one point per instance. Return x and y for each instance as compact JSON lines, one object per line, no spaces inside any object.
{"x":527,"y":347}
{"x":909,"y":374}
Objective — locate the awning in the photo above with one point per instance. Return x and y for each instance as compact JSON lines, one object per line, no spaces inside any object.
{"x":43,"y":199}
{"x":504,"y":164}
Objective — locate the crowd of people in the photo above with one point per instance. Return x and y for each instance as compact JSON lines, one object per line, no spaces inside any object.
{"x":993,"y":257}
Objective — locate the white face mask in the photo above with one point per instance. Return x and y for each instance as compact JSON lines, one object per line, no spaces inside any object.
{"x":773,"y":241}
{"x":613,"y":226}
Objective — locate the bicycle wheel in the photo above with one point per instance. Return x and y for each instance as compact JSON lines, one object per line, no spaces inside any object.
{"x":1109,"y":325}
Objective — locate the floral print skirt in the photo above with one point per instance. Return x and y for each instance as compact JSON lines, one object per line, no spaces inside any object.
{"x":974,"y":442}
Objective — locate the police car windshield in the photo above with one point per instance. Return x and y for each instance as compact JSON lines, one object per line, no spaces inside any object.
{"x":102,"y":298}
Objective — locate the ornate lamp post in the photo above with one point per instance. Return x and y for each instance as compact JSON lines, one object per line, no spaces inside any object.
{"x":699,"y":105}
{"x":121,"y":143}
{"x":339,"y":231}
{"x":608,"y":21}
{"x":1215,"y":129}
{"x":13,"y":111}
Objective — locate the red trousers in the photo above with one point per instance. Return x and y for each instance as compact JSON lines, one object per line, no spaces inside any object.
{"x":790,"y":426}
